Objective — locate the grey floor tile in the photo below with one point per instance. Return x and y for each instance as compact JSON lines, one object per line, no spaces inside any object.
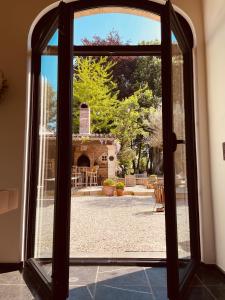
{"x":82,"y":275}
{"x":200,"y":293}
{"x":196,"y":282}
{"x":11,"y":277}
{"x":127,"y":269}
{"x":160,"y":293}
{"x":134,"y":288}
{"x":120,"y":293}
{"x":210,"y":276}
{"x":123,"y":276}
{"x":120,"y":283}
{"x":17,"y":292}
{"x":80,"y":293}
{"x":217,"y":291}
{"x":157,"y":277}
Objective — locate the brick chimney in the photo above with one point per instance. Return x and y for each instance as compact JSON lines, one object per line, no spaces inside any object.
{"x":84,"y":119}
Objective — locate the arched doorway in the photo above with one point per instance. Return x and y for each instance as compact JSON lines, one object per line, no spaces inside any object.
{"x":53,"y":38}
{"x":83,"y":161}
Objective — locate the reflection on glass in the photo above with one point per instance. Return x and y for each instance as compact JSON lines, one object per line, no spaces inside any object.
{"x":183,"y":226}
{"x":89,"y":29}
{"x":47,"y":158}
{"x":54,"y":39}
{"x":117,"y":135}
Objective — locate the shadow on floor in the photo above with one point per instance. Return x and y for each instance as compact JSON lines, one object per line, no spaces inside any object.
{"x":120,"y":283}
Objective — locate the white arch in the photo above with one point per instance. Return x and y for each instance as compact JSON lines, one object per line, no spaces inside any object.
{"x":191,"y":24}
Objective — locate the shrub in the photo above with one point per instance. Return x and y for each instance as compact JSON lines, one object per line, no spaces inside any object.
{"x":109,"y":182}
{"x":153,"y":178}
{"x":120,"y":185}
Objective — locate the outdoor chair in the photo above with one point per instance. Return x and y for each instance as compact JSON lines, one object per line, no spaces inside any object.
{"x":152,"y":181}
{"x":83,"y":171}
{"x":76,"y":180}
{"x":91,"y":178}
{"x":159,"y":196}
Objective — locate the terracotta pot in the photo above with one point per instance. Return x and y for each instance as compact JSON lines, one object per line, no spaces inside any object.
{"x":119,"y":192}
{"x":108,"y":190}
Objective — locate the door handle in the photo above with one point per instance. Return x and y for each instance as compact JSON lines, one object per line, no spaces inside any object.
{"x":175,"y":142}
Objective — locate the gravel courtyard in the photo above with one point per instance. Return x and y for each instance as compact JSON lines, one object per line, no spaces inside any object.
{"x":116,"y":227}
{"x":113,"y":227}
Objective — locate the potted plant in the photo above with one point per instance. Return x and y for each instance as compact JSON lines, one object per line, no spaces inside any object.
{"x":108,"y":187}
{"x":120,"y":188}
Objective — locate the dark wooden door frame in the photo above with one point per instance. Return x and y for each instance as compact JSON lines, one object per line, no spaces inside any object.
{"x":61,"y":233}
{"x":62,"y":18}
{"x":46,"y":27}
{"x":171,"y":23}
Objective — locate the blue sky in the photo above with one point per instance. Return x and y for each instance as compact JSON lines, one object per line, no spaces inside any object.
{"x":131,"y":28}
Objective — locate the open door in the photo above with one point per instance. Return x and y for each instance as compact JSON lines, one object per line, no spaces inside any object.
{"x":179,"y":155}
{"x":50,"y":113}
{"x":50,"y":154}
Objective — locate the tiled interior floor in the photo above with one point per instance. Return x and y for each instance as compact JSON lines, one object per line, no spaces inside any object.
{"x":115,"y":282}
{"x":208,"y":284}
{"x":12,"y":286}
{"x":120,"y":283}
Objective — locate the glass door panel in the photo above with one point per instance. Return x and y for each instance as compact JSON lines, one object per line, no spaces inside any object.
{"x":117,"y":134}
{"x":47,"y":159}
{"x":47,"y":245}
{"x":180,"y":160}
{"x":179,"y":154}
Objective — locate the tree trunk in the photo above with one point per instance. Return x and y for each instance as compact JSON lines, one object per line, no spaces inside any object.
{"x":139,"y":158}
{"x":150,"y":153}
{"x":134,"y":165}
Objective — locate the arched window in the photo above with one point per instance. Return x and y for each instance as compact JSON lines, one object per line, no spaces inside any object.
{"x":137,"y":31}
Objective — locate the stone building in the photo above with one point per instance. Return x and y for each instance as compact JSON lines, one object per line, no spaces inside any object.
{"x":88,"y":150}
{"x":91,"y":150}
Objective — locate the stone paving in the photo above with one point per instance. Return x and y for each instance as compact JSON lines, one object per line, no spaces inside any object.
{"x":125,"y":226}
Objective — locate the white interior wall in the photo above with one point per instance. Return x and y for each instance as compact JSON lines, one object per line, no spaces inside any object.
{"x":15,"y":21}
{"x":193,"y":9}
{"x":214,"y":20}
{"x":16,"y":18}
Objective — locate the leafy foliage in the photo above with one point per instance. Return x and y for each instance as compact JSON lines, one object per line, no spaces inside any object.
{"x":113,"y":38}
{"x":93,"y":84}
{"x":131,"y":72}
{"x":109,"y":182}
{"x":120,"y":185}
{"x":124,"y":94}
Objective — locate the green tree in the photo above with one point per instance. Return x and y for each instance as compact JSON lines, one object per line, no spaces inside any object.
{"x":132,"y":128}
{"x":148,"y":72}
{"x":132,"y":72}
{"x":126,"y":129}
{"x":138,"y":83}
{"x":93,"y":83}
